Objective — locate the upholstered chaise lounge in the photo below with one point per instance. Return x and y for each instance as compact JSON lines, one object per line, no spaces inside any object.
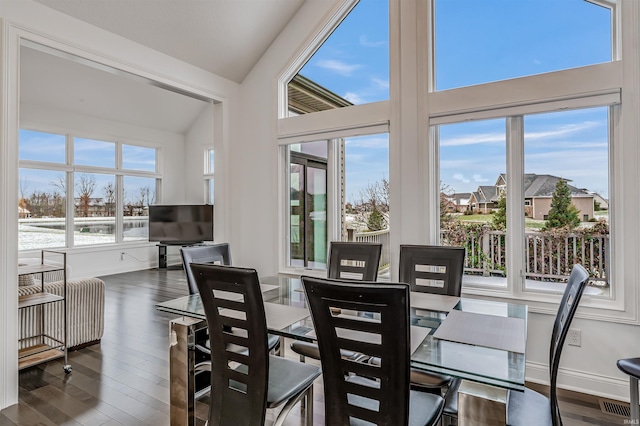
{"x":85,"y":307}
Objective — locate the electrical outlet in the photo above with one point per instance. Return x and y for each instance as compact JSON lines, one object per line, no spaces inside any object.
{"x":122,"y":256}
{"x":574,"y":337}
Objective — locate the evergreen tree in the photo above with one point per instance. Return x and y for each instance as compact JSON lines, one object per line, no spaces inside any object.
{"x":562,"y":212}
{"x":376,"y":220}
{"x":500,"y":216}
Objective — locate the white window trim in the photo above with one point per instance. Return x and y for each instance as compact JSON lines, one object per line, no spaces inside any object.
{"x":599,"y":79}
{"x":69,"y":168}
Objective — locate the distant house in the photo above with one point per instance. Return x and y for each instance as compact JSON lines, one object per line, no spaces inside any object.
{"x":485,"y":198}
{"x":458,"y":202}
{"x":538,"y":191}
{"x":599,"y":200}
{"x":96,"y":207}
{"x":23,"y":213}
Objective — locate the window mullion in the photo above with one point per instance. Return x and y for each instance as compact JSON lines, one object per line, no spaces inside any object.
{"x":515,"y":204}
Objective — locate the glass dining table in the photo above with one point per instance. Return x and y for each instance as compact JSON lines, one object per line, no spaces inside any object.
{"x":480,"y":341}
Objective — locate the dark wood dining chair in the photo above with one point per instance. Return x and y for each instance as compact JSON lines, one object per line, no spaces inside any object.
{"x":354,"y":260}
{"x":432,"y":269}
{"x":245,"y":383}
{"x":356,"y":393}
{"x":347,"y":260}
{"x":530,"y":408}
{"x":436,"y":270}
{"x":214,"y":254}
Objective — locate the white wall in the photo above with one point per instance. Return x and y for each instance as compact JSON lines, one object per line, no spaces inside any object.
{"x":251,"y":181}
{"x":590,"y":368}
{"x":254,"y":150}
{"x":30,"y":20}
{"x":198,"y":139}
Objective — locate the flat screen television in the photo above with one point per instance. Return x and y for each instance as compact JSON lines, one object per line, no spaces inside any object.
{"x":181,"y":224}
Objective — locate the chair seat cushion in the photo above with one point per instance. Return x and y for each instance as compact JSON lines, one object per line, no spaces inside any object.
{"x":528,"y":408}
{"x":288,"y":378}
{"x":422,"y":379}
{"x":424,"y":408}
{"x":630,"y":366}
{"x":203,"y":345}
{"x":429,"y":380}
{"x":311,"y":350}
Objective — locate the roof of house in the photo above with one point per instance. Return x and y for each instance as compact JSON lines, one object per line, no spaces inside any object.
{"x":460,"y":198}
{"x":544,"y":185}
{"x":487,"y":194}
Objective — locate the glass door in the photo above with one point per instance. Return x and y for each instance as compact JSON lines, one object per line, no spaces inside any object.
{"x":308,"y":212}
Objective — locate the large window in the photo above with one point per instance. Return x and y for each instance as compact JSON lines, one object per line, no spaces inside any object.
{"x":485,"y":41}
{"x":72,"y":191}
{"x":359,"y":185}
{"x":563,"y":197}
{"x":473,"y":161}
{"x":209,"y":175}
{"x":350,"y":68}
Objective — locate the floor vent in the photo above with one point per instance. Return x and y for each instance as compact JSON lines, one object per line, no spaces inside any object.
{"x":616,"y":408}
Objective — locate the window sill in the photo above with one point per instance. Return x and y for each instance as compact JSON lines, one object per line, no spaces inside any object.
{"x":592,"y":306}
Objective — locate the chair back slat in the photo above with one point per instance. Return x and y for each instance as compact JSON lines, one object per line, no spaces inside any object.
{"x":238,"y":381}
{"x":375,"y":393}
{"x":215,"y":254}
{"x":354,"y":260}
{"x":578,"y":280}
{"x":432,"y":269}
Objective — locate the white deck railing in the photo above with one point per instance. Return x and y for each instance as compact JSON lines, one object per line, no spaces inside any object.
{"x":376,"y":237}
{"x":548,"y":257}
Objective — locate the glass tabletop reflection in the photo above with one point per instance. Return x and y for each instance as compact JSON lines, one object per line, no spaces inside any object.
{"x":486,"y":365}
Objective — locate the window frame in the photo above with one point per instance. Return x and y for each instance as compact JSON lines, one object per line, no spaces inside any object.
{"x":209,"y":176}
{"x":70,"y":168}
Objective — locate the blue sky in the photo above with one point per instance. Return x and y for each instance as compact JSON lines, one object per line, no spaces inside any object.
{"x":478,"y":42}
{"x":39,"y":146}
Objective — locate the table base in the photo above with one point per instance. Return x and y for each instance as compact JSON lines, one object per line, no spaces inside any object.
{"x":480,"y":404}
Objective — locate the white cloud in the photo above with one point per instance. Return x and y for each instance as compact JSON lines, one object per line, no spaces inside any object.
{"x":338,"y":67}
{"x":561,"y":130}
{"x":354,"y":98}
{"x":474,"y":139}
{"x":460,"y":177}
{"x":372,"y":142}
{"x":366,"y":43}
{"x":479,"y":179}
{"x":380,"y":83}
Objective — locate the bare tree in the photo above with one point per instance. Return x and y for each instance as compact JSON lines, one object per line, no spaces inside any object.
{"x":60,"y":183}
{"x":23,"y":201}
{"x":375,"y":194}
{"x":85,"y":186}
{"x":110,"y":198}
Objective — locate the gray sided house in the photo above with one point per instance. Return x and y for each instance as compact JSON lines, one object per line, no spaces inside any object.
{"x":485,"y":198}
{"x":538,"y":192}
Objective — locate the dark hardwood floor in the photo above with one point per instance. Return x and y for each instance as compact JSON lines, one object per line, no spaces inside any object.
{"x":124,"y":380}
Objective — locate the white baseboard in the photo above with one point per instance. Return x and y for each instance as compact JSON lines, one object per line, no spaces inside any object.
{"x":580,"y":381}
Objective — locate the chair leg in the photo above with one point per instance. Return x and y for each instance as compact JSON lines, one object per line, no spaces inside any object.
{"x":635,"y":408}
{"x":293,"y":401}
{"x":281,"y":348}
{"x":309,"y":406}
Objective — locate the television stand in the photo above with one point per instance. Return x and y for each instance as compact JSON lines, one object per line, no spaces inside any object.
{"x":163,"y":257}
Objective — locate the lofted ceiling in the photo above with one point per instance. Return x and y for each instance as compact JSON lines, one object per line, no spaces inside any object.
{"x":65,"y":83}
{"x":225,"y":37}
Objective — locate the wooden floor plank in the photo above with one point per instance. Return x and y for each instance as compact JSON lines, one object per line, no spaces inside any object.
{"x":124,"y":379}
